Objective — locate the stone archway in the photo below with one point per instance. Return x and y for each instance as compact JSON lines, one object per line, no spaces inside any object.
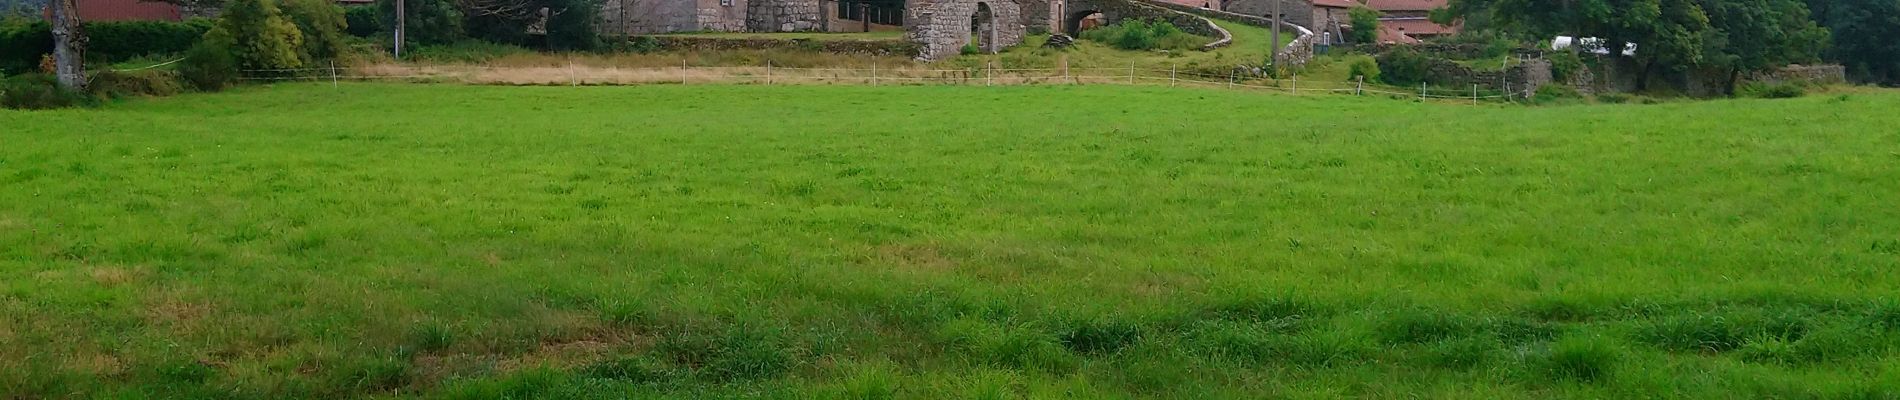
{"x":1072,"y":24}
{"x":983,"y":26}
{"x":943,"y":27}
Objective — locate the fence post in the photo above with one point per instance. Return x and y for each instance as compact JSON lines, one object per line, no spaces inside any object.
{"x":1230,"y":79}
{"x":1359,"y":87}
{"x":333,"y":75}
{"x":768,"y":72}
{"x":1170,"y":75}
{"x":1474,"y":94}
{"x":571,"y":80}
{"x":682,"y":71}
{"x":1421,"y":91}
{"x":873,"y":72}
{"x":1296,"y":83}
{"x":1131,"y":73}
{"x":988,"y":72}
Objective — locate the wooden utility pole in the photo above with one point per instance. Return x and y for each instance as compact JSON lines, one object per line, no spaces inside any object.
{"x":400,"y":16}
{"x":69,"y":45}
{"x":1273,"y":45}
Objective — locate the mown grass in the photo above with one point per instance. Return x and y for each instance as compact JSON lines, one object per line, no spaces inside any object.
{"x":945,"y":242}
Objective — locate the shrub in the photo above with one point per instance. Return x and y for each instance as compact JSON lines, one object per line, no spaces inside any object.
{"x":1404,"y":66}
{"x":571,"y":27}
{"x":151,"y":82}
{"x":39,"y":92}
{"x":1771,"y":90}
{"x":209,"y":66}
{"x":1564,"y":64}
{"x":428,"y":21}
{"x":362,"y":22}
{"x":124,"y":40}
{"x":970,"y":49}
{"x":22,"y":42}
{"x":1365,"y":67}
{"x":322,"y":24}
{"x":1614,"y":98}
{"x":259,"y":35}
{"x":1136,"y":34}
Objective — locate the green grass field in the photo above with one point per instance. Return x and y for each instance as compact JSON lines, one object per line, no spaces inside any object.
{"x":1089,"y":242}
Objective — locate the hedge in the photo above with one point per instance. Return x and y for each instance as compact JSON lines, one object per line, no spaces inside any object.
{"x":24,"y":43}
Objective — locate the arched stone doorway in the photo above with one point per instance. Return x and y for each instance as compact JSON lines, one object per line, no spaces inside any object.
{"x":983,"y":28}
{"x":943,"y":27}
{"x":1079,"y":21}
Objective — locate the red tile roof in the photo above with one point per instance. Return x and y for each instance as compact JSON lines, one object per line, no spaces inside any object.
{"x":1335,"y":3}
{"x":1405,"y":31}
{"x":125,"y":10}
{"x":1406,"y":5}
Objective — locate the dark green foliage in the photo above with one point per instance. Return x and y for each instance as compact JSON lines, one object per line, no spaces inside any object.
{"x":322,"y":24}
{"x":1586,"y":359}
{"x":38,"y":91}
{"x":429,"y":21}
{"x":1365,"y":25}
{"x":1365,"y":67}
{"x":259,"y":36}
{"x":151,"y":82}
{"x":363,"y":22}
{"x":1863,"y":37}
{"x":1884,"y":317}
{"x":1771,"y":90}
{"x":1137,"y":34}
{"x":573,"y":26}
{"x":124,"y":40}
{"x":1404,"y":66}
{"x":23,"y":41}
{"x":209,"y":66}
{"x":969,"y":49}
{"x":1760,"y":35}
{"x":1564,"y":65}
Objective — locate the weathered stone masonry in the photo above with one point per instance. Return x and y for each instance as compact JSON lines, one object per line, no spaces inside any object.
{"x":942,"y":27}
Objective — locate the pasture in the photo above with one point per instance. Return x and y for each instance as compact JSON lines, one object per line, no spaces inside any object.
{"x":444,"y":241}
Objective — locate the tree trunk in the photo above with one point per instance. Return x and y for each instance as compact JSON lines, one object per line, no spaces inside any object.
{"x":1734,"y":77}
{"x":69,"y":45}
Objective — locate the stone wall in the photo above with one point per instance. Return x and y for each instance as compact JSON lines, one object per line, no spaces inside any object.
{"x":784,"y":16}
{"x":858,"y":47}
{"x":942,"y":27}
{"x":621,"y":17}
{"x":1041,"y":16}
{"x":1523,"y":77}
{"x":715,"y":16}
{"x":1803,"y":74}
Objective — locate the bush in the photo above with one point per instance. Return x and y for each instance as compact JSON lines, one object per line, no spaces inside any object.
{"x":209,"y":66}
{"x":322,"y":24}
{"x":259,"y":35}
{"x":970,"y":49}
{"x":1404,"y":66}
{"x":122,"y":84}
{"x":1136,"y":34}
{"x":1555,"y":94}
{"x":1365,"y":67}
{"x":124,"y":40}
{"x":22,"y":42}
{"x":1771,"y":90}
{"x":429,"y":21}
{"x":362,"y":22}
{"x":1564,"y":64}
{"x":39,"y":92}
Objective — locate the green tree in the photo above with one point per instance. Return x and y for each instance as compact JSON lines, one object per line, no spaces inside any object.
{"x":1864,"y":37}
{"x":259,"y":36}
{"x":322,"y":25}
{"x":1365,"y":25}
{"x":427,"y":22}
{"x":1758,"y":35}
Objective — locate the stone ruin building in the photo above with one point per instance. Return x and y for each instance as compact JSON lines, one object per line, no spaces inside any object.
{"x":941,"y":27}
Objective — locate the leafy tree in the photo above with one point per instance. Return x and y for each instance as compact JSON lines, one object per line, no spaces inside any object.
{"x":322,"y":25}
{"x":258,"y":35}
{"x":571,"y":25}
{"x":427,"y":22}
{"x":1365,"y":25}
{"x":1866,"y":36}
{"x":1758,"y":35}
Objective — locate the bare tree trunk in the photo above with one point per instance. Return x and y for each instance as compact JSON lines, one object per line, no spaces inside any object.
{"x":69,"y":45}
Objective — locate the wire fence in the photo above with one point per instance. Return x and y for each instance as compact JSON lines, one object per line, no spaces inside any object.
{"x":583,"y":75}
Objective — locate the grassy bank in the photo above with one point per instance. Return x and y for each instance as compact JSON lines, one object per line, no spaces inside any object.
{"x":945,"y":242}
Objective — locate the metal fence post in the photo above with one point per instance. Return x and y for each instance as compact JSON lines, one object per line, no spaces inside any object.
{"x":768,"y":72}
{"x":1359,"y":87}
{"x":333,"y":75}
{"x":1474,"y":94}
{"x":1421,"y":91}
